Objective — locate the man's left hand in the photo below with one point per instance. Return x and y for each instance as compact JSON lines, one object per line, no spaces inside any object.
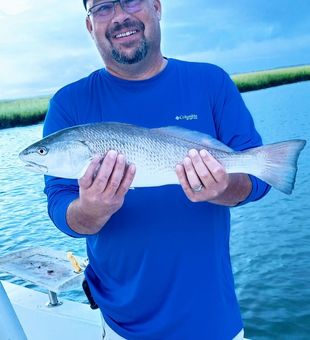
{"x":202,"y":177}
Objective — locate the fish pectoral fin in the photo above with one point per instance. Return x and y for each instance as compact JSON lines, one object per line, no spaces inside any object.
{"x":82,"y":171}
{"x":193,"y":136}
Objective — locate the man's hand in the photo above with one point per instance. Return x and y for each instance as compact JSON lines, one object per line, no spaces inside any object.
{"x":203,"y":178}
{"x":102,"y":191}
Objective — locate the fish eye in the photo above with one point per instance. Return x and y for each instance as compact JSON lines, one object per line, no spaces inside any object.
{"x":42,"y":151}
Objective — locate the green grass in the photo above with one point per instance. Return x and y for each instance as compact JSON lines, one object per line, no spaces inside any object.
{"x":263,"y":79}
{"x":21,"y":112}
{"x":27,"y":111}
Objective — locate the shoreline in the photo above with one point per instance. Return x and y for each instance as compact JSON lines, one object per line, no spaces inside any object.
{"x":28,"y":111}
{"x":259,"y":80}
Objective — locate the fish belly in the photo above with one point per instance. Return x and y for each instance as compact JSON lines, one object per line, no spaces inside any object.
{"x":152,"y":178}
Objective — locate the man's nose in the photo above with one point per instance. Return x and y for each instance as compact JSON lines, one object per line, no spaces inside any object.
{"x":120,"y":15}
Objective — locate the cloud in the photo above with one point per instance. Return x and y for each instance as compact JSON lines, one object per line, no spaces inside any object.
{"x":251,"y":53}
{"x":237,"y":35}
{"x":14,"y":7}
{"x":45,"y":45}
{"x":43,"y":48}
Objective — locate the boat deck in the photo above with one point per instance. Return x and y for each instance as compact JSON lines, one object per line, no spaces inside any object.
{"x":69,"y":321}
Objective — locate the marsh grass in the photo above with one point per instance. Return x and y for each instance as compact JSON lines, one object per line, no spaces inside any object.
{"x":21,"y":112}
{"x":263,"y":79}
{"x":32,"y":110}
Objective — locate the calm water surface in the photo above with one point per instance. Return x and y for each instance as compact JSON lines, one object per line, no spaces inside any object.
{"x":270,"y":239}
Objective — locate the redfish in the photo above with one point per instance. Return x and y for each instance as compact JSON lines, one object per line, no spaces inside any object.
{"x":156,"y":152}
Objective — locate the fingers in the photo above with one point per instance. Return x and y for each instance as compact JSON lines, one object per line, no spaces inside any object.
{"x":183,"y":178}
{"x":215,"y":168}
{"x":103,"y":188}
{"x":201,"y":176}
{"x":201,"y":168}
{"x":121,"y":177}
{"x":205,"y":167}
{"x":197,"y":171}
{"x":127,"y":180}
{"x":116,"y":176}
{"x":87,"y":179}
{"x":110,"y":175}
{"x":105,"y":171}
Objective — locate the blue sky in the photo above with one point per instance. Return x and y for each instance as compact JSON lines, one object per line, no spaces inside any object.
{"x":45,"y":45}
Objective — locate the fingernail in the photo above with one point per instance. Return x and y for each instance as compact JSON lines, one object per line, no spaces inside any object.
{"x":203,"y":153}
{"x":120,"y":158}
{"x":187,"y":161}
{"x":193,"y":153}
{"x":112,"y":154}
{"x":132,"y":168}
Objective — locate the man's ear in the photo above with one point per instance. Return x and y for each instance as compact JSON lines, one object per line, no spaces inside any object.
{"x":89,"y":26}
{"x":157,"y":6}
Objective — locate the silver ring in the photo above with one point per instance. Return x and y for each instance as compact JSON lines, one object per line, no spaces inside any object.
{"x":198,"y":189}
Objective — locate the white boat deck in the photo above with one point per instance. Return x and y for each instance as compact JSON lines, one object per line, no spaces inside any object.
{"x":69,"y":321}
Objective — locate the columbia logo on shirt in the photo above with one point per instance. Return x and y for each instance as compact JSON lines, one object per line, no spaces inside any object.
{"x":187,"y":117}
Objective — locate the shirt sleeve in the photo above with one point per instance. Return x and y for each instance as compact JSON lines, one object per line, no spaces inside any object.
{"x":235,"y":128}
{"x":60,"y":192}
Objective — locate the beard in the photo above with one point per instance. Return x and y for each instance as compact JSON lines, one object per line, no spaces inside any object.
{"x":138,"y":55}
{"x":141,"y":50}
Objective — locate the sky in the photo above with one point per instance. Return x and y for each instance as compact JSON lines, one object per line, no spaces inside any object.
{"x":44,"y":45}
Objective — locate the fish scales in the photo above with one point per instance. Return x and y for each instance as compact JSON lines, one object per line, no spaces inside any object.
{"x":149,"y":150}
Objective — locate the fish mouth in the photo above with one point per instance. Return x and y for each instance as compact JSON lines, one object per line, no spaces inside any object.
{"x":30,"y":165}
{"x":34,"y":167}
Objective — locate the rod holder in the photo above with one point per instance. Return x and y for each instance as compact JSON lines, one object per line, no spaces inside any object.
{"x":54,"y":302}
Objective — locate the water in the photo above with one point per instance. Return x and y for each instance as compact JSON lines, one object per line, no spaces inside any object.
{"x":270,"y":238}
{"x":270,"y":241}
{"x":24,"y":221}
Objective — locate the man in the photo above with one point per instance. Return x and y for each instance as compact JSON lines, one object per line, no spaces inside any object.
{"x":159,"y":264}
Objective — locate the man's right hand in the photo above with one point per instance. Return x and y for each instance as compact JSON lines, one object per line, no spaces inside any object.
{"x":102,"y":191}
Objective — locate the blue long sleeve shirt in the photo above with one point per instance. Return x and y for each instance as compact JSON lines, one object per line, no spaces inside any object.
{"x":160,"y":268}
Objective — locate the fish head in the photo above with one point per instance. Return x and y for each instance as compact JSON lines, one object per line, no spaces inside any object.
{"x":58,"y":156}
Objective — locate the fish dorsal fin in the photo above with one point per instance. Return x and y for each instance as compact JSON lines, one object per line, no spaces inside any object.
{"x":193,"y":136}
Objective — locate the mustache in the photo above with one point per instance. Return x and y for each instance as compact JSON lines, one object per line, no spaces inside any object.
{"x":130,"y":25}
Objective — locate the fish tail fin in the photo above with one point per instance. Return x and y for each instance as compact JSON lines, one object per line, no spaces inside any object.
{"x":278,"y":163}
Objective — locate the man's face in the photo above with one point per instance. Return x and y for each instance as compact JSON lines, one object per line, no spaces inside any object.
{"x":127,"y":38}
